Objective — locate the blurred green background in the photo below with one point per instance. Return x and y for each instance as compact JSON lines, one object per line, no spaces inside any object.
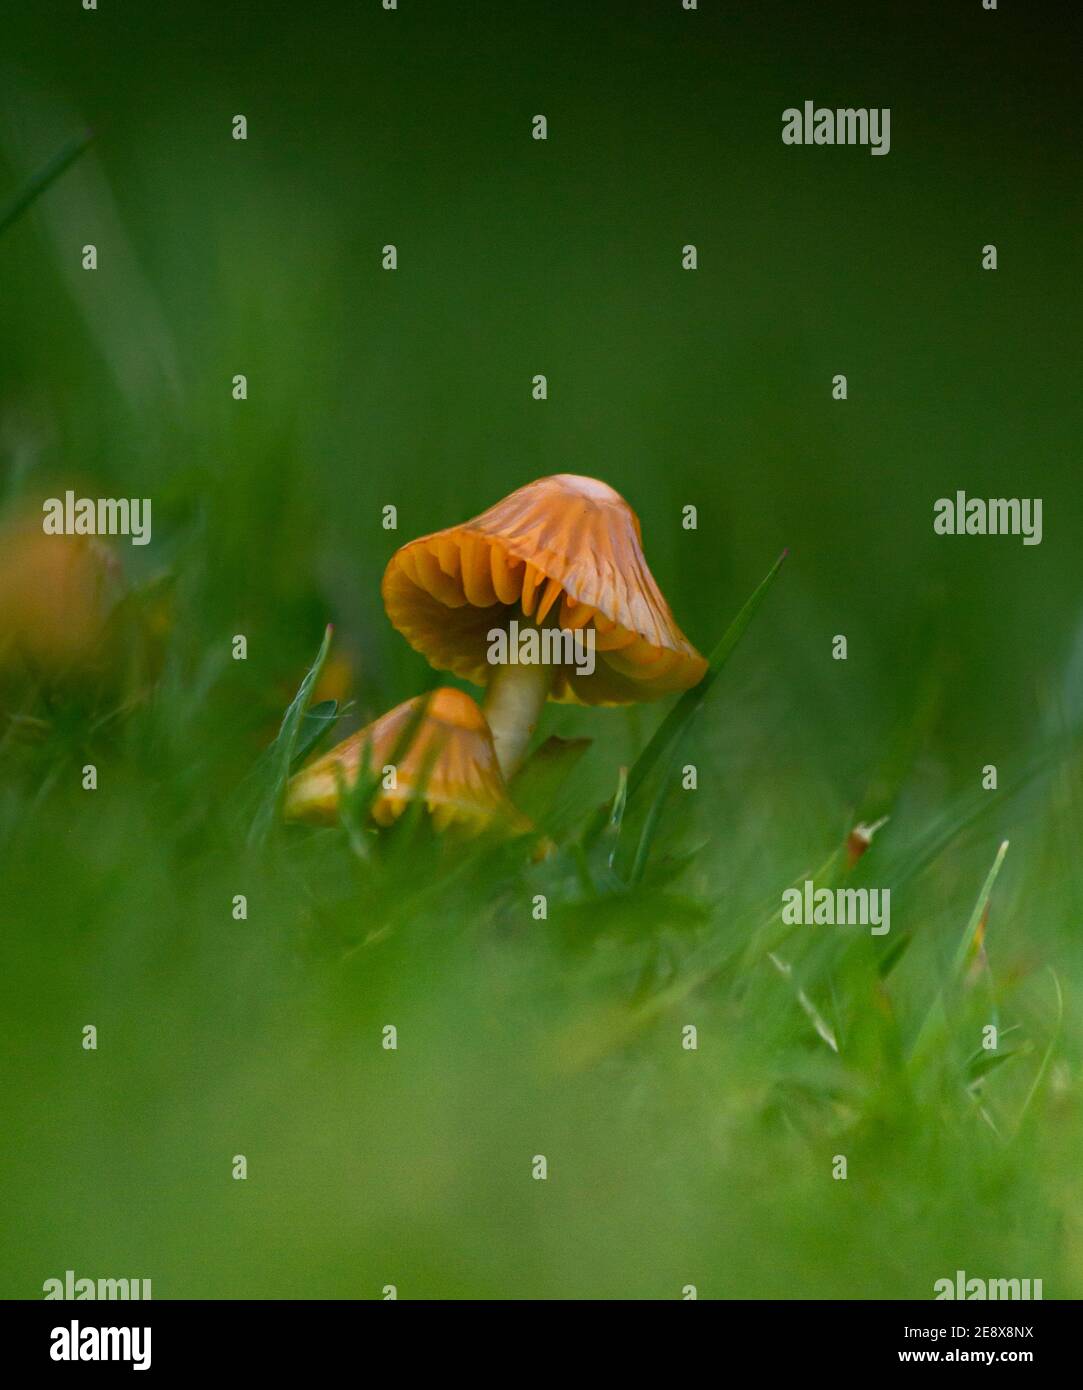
{"x":413,"y":388}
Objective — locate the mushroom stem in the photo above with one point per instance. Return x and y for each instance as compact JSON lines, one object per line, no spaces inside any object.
{"x":513,"y":706}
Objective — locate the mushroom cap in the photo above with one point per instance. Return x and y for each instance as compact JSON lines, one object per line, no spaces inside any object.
{"x":565,"y":551}
{"x":450,"y":760}
{"x":56,"y":597}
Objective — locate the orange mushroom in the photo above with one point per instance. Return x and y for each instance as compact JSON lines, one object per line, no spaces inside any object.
{"x":566,"y":553}
{"x":56,"y":597}
{"x":450,"y":762}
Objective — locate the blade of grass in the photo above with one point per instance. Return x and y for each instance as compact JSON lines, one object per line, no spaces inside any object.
{"x":936,"y":1020}
{"x":281,"y":752}
{"x":676,"y":721}
{"x":968,"y":943}
{"x":691,"y":700}
{"x":38,"y":183}
{"x":1047,"y":1055}
{"x":318,"y":721}
{"x":651,"y":823}
{"x":819,"y":1023}
{"x":616,"y":816}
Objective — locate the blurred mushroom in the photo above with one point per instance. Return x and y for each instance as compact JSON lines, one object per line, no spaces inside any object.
{"x":57,"y":595}
{"x":565,"y":552}
{"x":450,"y":762}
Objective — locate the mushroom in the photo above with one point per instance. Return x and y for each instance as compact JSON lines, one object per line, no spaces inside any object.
{"x":57,"y":594}
{"x":450,"y":761}
{"x":565,"y":553}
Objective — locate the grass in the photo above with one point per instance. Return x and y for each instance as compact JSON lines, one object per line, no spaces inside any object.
{"x":515,"y":1037}
{"x":40,"y":182}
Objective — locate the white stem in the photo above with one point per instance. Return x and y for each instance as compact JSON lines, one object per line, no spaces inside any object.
{"x":513,"y":707}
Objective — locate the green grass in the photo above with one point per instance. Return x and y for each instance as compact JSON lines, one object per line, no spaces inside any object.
{"x":516,"y":1037}
{"x":519,"y":1037}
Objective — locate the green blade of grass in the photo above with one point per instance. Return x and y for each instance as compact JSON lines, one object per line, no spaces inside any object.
{"x":967,"y":945}
{"x":691,"y":700}
{"x":819,"y":1023}
{"x":616,"y":816}
{"x":935,"y":1023}
{"x":987,"y":1062}
{"x":37,"y":184}
{"x":677,"y":720}
{"x":650,"y":829}
{"x":281,"y":752}
{"x":316,"y":724}
{"x":1047,"y":1056}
